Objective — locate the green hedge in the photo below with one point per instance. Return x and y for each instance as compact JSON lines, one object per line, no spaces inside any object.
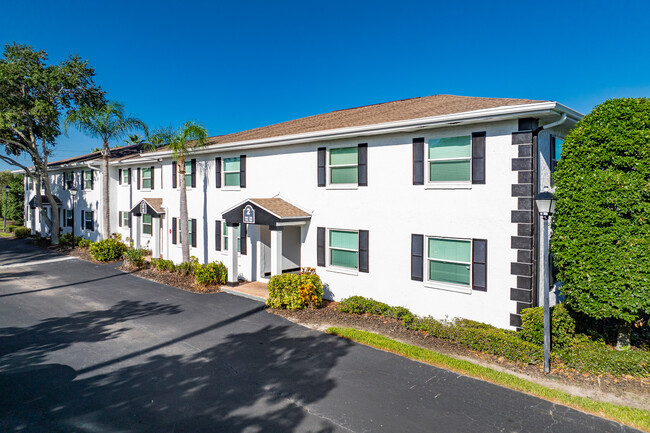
{"x":134,"y":257}
{"x":294,"y":292}
{"x":210,"y":274}
{"x":107,"y":250}
{"x":361,"y":305}
{"x":596,"y":357}
{"x":22,"y":232}
{"x":563,"y":326}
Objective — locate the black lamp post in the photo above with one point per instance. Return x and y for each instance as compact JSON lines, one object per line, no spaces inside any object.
{"x":546,"y":207}
{"x":73,"y":194}
{"x":4,"y":224}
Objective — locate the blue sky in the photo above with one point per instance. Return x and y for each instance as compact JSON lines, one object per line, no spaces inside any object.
{"x":240,"y":65}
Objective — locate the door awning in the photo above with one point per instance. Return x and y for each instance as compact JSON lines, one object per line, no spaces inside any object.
{"x":44,"y":201}
{"x":148,"y":206}
{"x":266,"y":211}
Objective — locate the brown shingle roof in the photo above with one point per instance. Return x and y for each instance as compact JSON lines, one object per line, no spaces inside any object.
{"x":156,"y":204}
{"x":279,"y":207}
{"x":415,"y":108}
{"x":116,"y":153}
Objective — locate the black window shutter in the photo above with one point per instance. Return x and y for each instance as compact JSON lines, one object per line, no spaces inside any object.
{"x":174,"y":176}
{"x":417,"y":257}
{"x":153,"y":181}
{"x":129,"y":176}
{"x":130,"y":218}
{"x":83,"y":179}
{"x":193,"y":228}
{"x":363,"y":251}
{"x":92,"y":220}
{"x":217,"y":235}
{"x":193,"y":163}
{"x":478,"y":157}
{"x":92,"y":179}
{"x":174,"y":231}
{"x":242,"y":242}
{"x":418,"y":161}
{"x":83,"y":219}
{"x":322,"y":156}
{"x":363,"y":164}
{"x":479,"y":265}
{"x":139,"y":175}
{"x":242,"y":171}
{"x":217,"y":173}
{"x":119,"y":218}
{"x":119,"y":175}
{"x":320,"y":246}
{"x":553,"y":156}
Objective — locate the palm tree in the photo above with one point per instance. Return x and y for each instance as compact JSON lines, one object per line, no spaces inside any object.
{"x":135,"y":139}
{"x":109,"y":122}
{"x":181,"y":141}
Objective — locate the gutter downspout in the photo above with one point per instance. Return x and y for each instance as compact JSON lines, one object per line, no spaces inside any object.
{"x":536,"y":249}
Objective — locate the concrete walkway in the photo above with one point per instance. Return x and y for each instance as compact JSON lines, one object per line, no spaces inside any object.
{"x":88,"y":348}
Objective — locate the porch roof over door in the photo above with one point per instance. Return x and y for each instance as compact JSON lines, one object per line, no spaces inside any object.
{"x":152,"y":206}
{"x":266,"y":211}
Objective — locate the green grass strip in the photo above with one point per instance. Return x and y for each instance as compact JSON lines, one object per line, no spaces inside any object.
{"x":637,"y":418}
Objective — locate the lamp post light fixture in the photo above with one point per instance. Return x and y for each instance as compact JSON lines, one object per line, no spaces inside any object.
{"x":545,"y":202}
{"x":73,"y":194}
{"x":4,"y":224}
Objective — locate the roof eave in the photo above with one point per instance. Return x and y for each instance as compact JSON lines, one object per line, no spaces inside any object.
{"x":476,"y":116}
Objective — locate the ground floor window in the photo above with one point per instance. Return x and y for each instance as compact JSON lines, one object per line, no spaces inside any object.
{"x":126,"y":217}
{"x":344,"y":248}
{"x":68,"y":218}
{"x":89,"y":220}
{"x":224,"y":237}
{"x":146,"y":224}
{"x":449,"y":260}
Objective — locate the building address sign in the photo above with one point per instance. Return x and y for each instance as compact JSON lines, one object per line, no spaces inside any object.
{"x":249,"y":215}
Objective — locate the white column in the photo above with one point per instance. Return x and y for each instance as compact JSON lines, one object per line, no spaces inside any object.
{"x":233,"y":267}
{"x":155,"y":231}
{"x":276,"y":251}
{"x":137,"y":226}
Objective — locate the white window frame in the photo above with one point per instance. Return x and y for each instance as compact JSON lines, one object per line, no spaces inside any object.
{"x":126,"y":217}
{"x":447,"y":184}
{"x":236,"y":187}
{"x":341,"y":269}
{"x":428,"y":282}
{"x":224,"y":238}
{"x":125,"y":177}
{"x":88,"y":180}
{"x":66,"y":180}
{"x":150,"y":178}
{"x":88,"y":219}
{"x":328,"y":169}
{"x":188,"y":173}
{"x":145,"y":224}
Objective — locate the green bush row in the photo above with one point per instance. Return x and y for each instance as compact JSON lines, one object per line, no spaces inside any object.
{"x":294,"y":292}
{"x":134,"y":257}
{"x":22,"y":232}
{"x":204,"y":275}
{"x":361,"y":305}
{"x":107,"y":250}
{"x":563,"y":326}
{"x":598,"y":358}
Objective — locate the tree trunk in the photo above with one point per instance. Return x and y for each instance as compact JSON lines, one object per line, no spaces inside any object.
{"x":623,"y":338}
{"x":106,"y":212}
{"x":185,"y":232}
{"x":54,"y":223}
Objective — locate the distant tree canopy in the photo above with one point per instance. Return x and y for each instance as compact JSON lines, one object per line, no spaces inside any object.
{"x":601,"y":228}
{"x":15,"y":196}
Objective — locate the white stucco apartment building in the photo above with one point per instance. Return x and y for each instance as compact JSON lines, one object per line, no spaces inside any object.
{"x":425,"y":203}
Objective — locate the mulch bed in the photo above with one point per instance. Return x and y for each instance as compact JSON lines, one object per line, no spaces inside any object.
{"x":628,"y":391}
{"x":174,"y":279}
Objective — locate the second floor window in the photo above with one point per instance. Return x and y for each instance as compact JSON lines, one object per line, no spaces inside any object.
{"x":69,"y":179}
{"x":188,"y":173}
{"x":231,"y":169}
{"x":344,"y":165}
{"x":125,"y":177}
{"x":146,"y":178}
{"x":88,"y":179}
{"x":450,"y":159}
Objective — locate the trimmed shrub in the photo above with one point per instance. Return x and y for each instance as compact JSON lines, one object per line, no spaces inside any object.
{"x":22,"y":232}
{"x":107,"y":250}
{"x":84,"y":243}
{"x":186,"y":268}
{"x":210,"y":274}
{"x":598,"y":358}
{"x":295,"y":292}
{"x":134,"y":257}
{"x":563,"y":326}
{"x":66,"y":239}
{"x":361,"y":305}
{"x":164,"y":265}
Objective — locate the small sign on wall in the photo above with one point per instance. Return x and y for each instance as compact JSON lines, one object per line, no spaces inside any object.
{"x":143,"y":207}
{"x":249,"y":215}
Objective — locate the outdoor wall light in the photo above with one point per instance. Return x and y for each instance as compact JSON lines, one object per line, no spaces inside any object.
{"x":545,"y":203}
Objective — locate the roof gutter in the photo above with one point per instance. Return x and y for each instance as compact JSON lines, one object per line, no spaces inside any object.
{"x":491,"y":114}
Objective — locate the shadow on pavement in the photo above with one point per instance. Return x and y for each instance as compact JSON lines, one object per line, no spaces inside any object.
{"x":249,"y":381}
